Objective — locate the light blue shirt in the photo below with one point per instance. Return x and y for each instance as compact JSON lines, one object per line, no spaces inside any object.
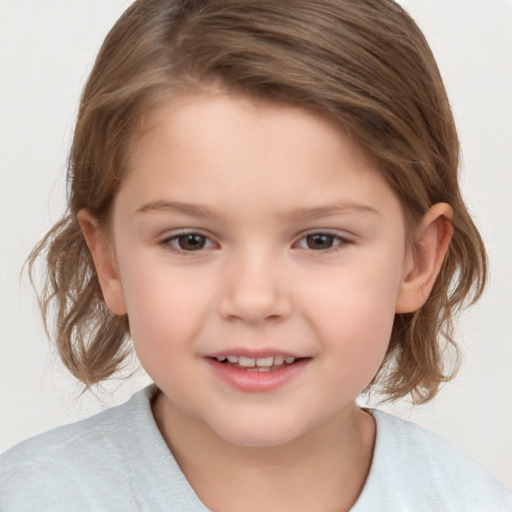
{"x":118,"y":461}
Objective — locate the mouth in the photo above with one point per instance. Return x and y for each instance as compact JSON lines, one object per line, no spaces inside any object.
{"x":257,"y":373}
{"x":257,"y":364}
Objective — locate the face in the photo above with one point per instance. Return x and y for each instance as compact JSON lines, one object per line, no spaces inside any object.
{"x":260,"y":259}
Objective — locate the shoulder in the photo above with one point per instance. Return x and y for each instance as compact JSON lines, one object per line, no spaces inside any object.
{"x":115,"y":461}
{"x":416,"y":467}
{"x":67,"y":463}
{"x":80,"y":439}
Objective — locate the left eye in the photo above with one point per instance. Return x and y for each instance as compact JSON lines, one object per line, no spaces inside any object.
{"x":320,"y":241}
{"x":189,"y":242}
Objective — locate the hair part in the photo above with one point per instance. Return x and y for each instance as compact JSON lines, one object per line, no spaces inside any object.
{"x":365,"y":65}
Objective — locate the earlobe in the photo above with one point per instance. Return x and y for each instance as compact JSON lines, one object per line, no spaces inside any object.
{"x":104,"y":262}
{"x":425,"y":259}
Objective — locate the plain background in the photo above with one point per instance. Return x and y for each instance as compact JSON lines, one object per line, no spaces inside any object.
{"x":46,"y":51}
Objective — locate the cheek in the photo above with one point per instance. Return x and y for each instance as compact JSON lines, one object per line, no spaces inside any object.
{"x":354,"y":317}
{"x":356,"y":341}
{"x":356,"y":297}
{"x":359,"y":336}
{"x":163,"y":325}
{"x":164,"y":311}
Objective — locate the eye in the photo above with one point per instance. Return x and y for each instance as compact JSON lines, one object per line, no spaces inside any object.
{"x":188,"y":242}
{"x":321,"y":241}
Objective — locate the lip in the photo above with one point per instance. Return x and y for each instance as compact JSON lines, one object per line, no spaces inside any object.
{"x":251,"y":381}
{"x":241,"y":352}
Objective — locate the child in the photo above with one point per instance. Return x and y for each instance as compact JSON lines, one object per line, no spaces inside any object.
{"x":264,"y":201}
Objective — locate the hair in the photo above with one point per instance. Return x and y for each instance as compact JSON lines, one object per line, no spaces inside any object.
{"x":365,"y":65}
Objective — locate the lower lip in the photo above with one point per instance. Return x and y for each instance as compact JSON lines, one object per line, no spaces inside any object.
{"x":255,"y":381}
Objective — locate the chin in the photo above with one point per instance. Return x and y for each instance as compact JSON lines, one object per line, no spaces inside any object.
{"x":258,"y":434}
{"x":252,"y":440}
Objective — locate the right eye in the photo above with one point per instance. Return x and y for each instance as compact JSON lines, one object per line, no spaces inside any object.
{"x":323,"y":242}
{"x":187,"y":242}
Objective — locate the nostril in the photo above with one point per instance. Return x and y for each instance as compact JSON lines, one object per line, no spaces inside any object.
{"x":254,"y":301}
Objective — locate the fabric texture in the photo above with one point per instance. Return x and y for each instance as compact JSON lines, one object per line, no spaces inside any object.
{"x":118,"y":461}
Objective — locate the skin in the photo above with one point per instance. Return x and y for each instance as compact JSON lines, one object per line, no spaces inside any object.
{"x":269,"y":176}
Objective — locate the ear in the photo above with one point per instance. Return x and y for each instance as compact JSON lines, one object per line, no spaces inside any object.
{"x":104,"y":261}
{"x":425,"y":258}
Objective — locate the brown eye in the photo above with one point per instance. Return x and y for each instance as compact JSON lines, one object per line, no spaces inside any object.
{"x":320,"y":241}
{"x":184,"y":243}
{"x":323,"y":242}
{"x":191,"y":242}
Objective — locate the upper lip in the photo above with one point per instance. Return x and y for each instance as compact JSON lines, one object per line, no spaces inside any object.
{"x":256,"y":354}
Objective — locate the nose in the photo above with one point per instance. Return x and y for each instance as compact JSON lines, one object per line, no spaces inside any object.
{"x":254,"y":291}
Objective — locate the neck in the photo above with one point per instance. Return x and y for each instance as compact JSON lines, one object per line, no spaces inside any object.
{"x":324,"y":469}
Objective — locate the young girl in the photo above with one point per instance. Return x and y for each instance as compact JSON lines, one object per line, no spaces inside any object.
{"x":264,"y":201}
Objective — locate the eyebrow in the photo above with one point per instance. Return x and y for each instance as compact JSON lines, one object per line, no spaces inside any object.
{"x":333,"y":209}
{"x":196,"y":210}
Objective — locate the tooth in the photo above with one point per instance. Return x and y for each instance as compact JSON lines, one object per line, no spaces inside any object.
{"x":289,"y":360}
{"x":265,"y":361}
{"x":246,"y":361}
{"x":278,"y":360}
{"x":221,"y":358}
{"x":263,"y":369}
{"x":233,"y":359}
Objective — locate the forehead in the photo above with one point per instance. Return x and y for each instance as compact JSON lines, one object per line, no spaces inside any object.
{"x":225,"y":148}
{"x":188,"y":116}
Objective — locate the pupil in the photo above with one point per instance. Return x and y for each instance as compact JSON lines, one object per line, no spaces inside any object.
{"x":191,"y":242}
{"x":320,"y":241}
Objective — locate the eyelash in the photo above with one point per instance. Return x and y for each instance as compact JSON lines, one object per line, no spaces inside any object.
{"x":338,"y":241}
{"x":168,"y":242}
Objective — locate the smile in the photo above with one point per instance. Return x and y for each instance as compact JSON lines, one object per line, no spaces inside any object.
{"x":260,"y":364}
{"x":251,"y":374}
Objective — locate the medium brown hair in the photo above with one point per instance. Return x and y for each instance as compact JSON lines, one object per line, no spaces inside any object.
{"x":364,"y":64}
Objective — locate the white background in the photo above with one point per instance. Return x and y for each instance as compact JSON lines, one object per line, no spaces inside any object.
{"x":46,"y":50}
